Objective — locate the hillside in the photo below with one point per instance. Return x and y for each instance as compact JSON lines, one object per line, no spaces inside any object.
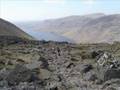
{"x":9,"y":29}
{"x":103,"y":29}
{"x":92,"y":28}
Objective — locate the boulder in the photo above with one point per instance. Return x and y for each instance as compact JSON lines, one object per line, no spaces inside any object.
{"x":44,"y":74}
{"x":86,"y":68}
{"x":19,"y":74}
{"x":3,"y":83}
{"x":54,"y":88}
{"x":112,"y":74}
{"x":111,"y":88}
{"x":94,"y":54}
{"x":90,"y":76}
{"x":3,"y":74}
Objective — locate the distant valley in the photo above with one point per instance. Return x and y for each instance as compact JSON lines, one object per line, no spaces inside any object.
{"x":92,"y":28}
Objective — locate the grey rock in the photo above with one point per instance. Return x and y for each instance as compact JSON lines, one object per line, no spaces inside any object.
{"x":86,"y":68}
{"x":3,"y":83}
{"x":90,"y":76}
{"x":112,"y":74}
{"x":19,"y":74}
{"x":44,"y":74}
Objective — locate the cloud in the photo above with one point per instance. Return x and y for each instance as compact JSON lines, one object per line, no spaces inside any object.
{"x":54,"y":1}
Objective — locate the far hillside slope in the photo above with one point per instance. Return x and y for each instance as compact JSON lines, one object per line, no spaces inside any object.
{"x":104,"y":29}
{"x":92,"y":28}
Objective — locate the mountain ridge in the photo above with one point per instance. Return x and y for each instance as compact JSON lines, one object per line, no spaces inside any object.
{"x":92,"y":28}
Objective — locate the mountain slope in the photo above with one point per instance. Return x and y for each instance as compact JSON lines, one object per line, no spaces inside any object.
{"x":8,"y":29}
{"x":92,"y":28}
{"x":60,"y":25}
{"x":104,"y":29}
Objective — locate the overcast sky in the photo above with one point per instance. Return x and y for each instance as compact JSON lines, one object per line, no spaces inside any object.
{"x":31,"y":10}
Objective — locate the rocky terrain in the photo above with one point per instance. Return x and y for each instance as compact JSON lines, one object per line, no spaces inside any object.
{"x":41,"y":65}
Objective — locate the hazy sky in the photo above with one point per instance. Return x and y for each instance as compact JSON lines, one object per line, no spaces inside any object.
{"x":27,"y":10}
